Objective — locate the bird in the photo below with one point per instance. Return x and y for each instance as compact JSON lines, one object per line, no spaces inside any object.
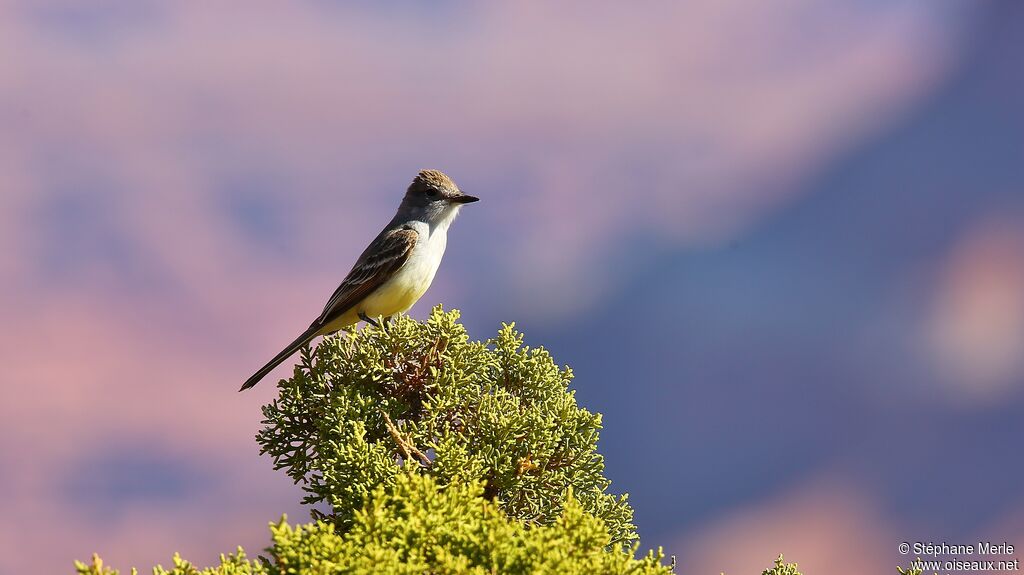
{"x":395,"y":270}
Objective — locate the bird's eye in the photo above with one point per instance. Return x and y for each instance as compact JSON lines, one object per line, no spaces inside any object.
{"x":432,"y":193}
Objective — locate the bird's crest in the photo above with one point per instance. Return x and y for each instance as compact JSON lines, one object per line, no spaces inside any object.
{"x":433,"y":179}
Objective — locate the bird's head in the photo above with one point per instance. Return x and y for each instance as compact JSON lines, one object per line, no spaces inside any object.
{"x":435,"y":196}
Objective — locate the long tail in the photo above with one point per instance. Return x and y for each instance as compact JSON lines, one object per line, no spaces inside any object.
{"x":306,"y":337}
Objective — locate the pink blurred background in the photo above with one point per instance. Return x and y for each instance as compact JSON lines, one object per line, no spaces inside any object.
{"x":809,"y":217}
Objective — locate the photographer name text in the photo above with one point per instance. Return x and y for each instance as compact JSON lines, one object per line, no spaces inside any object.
{"x":981,"y":548}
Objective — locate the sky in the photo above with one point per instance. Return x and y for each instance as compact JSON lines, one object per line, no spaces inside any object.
{"x":781,"y":244}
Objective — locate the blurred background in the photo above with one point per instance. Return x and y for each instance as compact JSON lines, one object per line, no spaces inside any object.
{"x":781,"y":244}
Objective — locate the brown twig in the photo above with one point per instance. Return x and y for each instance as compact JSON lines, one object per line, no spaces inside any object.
{"x":405,"y":447}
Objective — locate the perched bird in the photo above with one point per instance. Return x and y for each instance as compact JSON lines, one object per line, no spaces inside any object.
{"x":395,"y":269}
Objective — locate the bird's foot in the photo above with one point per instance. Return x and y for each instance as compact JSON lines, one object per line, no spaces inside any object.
{"x":369,"y":320}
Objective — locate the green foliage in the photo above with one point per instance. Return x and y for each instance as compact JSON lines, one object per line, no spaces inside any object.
{"x":97,"y":567}
{"x":780,"y":568}
{"x":413,"y":528}
{"x":235,"y":564}
{"x":421,"y":396}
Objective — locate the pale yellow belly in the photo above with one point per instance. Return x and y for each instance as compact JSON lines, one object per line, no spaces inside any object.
{"x":394,"y":297}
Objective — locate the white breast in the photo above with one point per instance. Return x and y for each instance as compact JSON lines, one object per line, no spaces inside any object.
{"x":411,"y":281}
{"x":425,"y":258}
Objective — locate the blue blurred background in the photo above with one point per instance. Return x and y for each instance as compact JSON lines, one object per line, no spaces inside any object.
{"x":781,"y":244}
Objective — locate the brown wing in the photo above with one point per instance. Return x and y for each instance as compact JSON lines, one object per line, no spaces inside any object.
{"x":384,"y":256}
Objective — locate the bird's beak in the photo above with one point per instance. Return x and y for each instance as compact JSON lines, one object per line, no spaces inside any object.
{"x":464,"y":199}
